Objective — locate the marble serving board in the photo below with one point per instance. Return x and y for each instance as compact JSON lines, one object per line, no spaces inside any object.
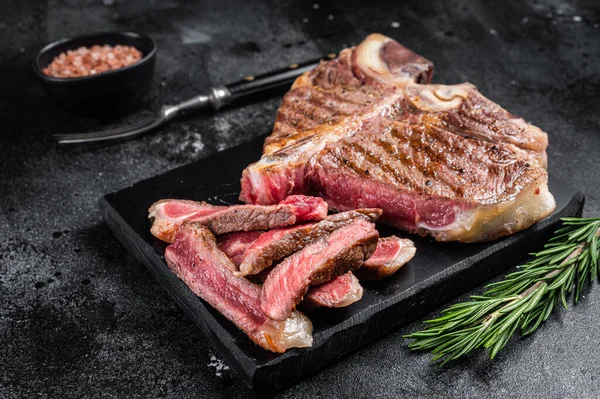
{"x":438,"y":273}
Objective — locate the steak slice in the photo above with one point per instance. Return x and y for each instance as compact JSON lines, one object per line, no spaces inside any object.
{"x":343,"y":250}
{"x":338,"y":292}
{"x":390,"y":255}
{"x":207,"y":271}
{"x":234,"y":244}
{"x":169,"y":215}
{"x":277,"y":244}
{"x":367,"y":130}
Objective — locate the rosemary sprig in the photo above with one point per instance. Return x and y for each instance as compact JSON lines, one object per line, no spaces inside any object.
{"x":523,"y":300}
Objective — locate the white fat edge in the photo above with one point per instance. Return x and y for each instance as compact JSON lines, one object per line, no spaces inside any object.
{"x":514,"y":215}
{"x":297,"y":331}
{"x":463,"y":222}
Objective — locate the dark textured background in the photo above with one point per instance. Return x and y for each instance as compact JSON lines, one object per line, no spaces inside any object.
{"x":80,"y":317}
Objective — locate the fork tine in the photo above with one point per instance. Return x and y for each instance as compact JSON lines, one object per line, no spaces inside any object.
{"x":108,"y":132}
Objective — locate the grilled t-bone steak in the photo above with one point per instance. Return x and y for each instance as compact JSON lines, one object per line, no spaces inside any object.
{"x":368,"y":130}
{"x":390,"y":255}
{"x":195,"y":258}
{"x":169,"y":214}
{"x":338,"y":292}
{"x":343,"y":250}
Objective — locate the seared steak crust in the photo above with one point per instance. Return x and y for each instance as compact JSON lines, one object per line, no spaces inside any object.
{"x":277,"y":244}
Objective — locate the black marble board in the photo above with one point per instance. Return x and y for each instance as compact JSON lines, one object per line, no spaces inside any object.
{"x":438,"y":273}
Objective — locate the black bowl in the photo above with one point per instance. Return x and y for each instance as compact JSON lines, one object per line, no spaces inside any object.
{"x":105,"y":94}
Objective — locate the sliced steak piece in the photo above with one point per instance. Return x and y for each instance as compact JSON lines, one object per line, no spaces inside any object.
{"x":390,"y":255}
{"x":277,"y":244}
{"x":196,"y":259}
{"x":367,"y":131}
{"x":169,"y":214}
{"x":234,"y":244}
{"x":343,"y":250}
{"x":338,"y":292}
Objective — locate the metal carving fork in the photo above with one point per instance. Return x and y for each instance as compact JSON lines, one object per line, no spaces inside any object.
{"x":248,"y":89}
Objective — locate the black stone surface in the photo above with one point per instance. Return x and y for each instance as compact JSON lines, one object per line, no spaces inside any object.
{"x":80,"y":317}
{"x":438,"y":273}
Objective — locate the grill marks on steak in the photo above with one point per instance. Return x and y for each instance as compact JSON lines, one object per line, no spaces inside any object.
{"x":277,"y":244}
{"x":170,"y":214}
{"x":439,"y":160}
{"x":344,"y":250}
{"x":432,"y":190}
{"x":390,"y":255}
{"x":196,"y":260}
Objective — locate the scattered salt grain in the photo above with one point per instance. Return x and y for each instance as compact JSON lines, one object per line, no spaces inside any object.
{"x":524,"y":20}
{"x":305,"y":20}
{"x":577,"y":18}
{"x":330,"y":17}
{"x":316,"y":6}
{"x":218,"y":364}
{"x":494,"y":32}
{"x":395,"y":24}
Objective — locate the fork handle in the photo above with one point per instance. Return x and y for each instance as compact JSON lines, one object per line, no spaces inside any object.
{"x":251,"y":88}
{"x":270,"y":83}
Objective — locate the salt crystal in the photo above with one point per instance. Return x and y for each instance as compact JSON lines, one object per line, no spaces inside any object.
{"x":395,"y":24}
{"x":330,"y":17}
{"x":493,"y":32}
{"x":305,"y":20}
{"x":577,"y":18}
{"x":524,"y":20}
{"x":316,"y":6}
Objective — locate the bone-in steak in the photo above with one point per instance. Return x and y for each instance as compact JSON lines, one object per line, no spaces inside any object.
{"x":367,"y":130}
{"x":207,"y":271}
